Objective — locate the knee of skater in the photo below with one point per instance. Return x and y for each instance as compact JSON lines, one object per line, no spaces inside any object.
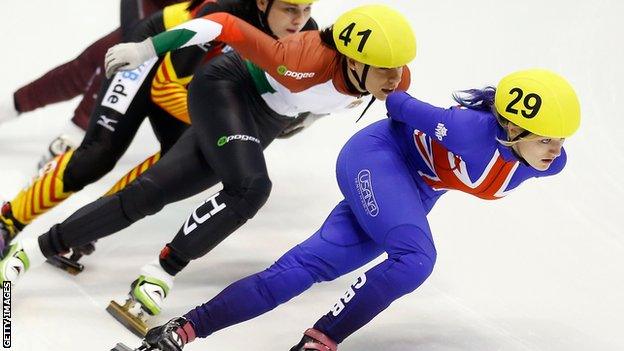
{"x":86,"y":166}
{"x":253,"y":192}
{"x":410,"y":271}
{"x":297,"y":258}
{"x":283,"y":283}
{"x":415,"y":254}
{"x":141,"y":198}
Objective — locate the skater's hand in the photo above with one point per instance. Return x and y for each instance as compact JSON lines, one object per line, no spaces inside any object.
{"x":171,"y":336}
{"x":128,"y":56}
{"x":304,"y":120}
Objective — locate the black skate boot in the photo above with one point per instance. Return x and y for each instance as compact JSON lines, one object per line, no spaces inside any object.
{"x":9,"y":226}
{"x":69,"y":262}
{"x":122,"y":347}
{"x":314,"y":340}
{"x":171,"y":336}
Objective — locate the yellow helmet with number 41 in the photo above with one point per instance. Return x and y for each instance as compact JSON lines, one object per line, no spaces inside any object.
{"x":376,"y":35}
{"x":539,"y":101}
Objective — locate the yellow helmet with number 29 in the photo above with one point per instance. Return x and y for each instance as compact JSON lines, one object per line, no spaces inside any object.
{"x":539,"y":101}
{"x":376,"y":35}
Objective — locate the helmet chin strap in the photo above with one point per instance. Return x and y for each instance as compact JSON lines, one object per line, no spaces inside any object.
{"x":361,"y":81}
{"x":524,"y":133}
{"x":366,"y":109}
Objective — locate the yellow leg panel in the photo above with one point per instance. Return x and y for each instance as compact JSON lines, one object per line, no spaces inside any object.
{"x":44,"y":192}
{"x":134,"y":174}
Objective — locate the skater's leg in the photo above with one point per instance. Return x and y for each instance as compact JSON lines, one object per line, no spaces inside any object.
{"x":339,"y":247}
{"x":82,"y":113}
{"x":68,"y":80}
{"x":233,"y":125}
{"x":167,"y":128}
{"x":98,"y":153}
{"x":133,"y":174}
{"x":178,"y":175}
{"x":387,"y":204}
{"x":168,"y":131}
{"x":224,"y":114}
{"x":109,"y":134}
{"x":69,"y":262}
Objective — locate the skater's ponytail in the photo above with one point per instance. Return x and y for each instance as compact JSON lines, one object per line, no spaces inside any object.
{"x":327,"y":37}
{"x":483,"y":100}
{"x":476,"y":99}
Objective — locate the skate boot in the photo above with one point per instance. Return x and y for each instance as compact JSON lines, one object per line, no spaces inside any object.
{"x":60,"y":145}
{"x":69,"y":262}
{"x":314,"y":340}
{"x":146,"y":297}
{"x":9,"y":226}
{"x":122,"y":347}
{"x":19,"y":257}
{"x":171,"y":336}
{"x":70,"y":139}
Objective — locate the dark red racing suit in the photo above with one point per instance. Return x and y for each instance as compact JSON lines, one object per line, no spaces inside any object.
{"x":83,"y":75}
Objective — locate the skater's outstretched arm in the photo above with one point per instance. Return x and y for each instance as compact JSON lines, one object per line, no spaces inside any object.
{"x":456,"y":128}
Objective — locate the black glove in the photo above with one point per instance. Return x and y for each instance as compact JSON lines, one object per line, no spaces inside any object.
{"x":302,"y":121}
{"x":84,"y":250}
{"x":168,"y":337}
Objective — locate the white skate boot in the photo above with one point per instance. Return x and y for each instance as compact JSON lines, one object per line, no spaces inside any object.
{"x":19,"y":257}
{"x":146,"y":296}
{"x":70,"y":139}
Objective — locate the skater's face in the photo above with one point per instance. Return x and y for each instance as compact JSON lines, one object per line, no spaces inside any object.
{"x":285,"y":18}
{"x":379,"y":81}
{"x":539,"y":152}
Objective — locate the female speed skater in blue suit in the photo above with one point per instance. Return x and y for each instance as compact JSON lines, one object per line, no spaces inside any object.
{"x":498,"y":138}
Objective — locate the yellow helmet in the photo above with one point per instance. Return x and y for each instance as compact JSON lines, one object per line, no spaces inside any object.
{"x":539,"y":101}
{"x":376,"y":35}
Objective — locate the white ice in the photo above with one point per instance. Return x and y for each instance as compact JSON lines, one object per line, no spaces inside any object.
{"x":542,"y":269}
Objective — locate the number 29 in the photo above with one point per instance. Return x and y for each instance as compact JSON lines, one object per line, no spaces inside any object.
{"x":532,"y":103}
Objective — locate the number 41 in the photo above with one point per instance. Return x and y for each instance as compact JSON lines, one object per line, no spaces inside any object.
{"x":345,"y":36}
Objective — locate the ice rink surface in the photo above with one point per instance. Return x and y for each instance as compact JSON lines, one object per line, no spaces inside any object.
{"x":542,"y":269}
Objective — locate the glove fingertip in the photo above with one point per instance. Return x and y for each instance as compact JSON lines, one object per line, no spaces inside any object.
{"x":114,"y":68}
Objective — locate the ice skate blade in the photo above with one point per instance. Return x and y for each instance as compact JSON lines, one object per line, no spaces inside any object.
{"x":64,"y":263}
{"x":121,"y":347}
{"x":130,"y":321}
